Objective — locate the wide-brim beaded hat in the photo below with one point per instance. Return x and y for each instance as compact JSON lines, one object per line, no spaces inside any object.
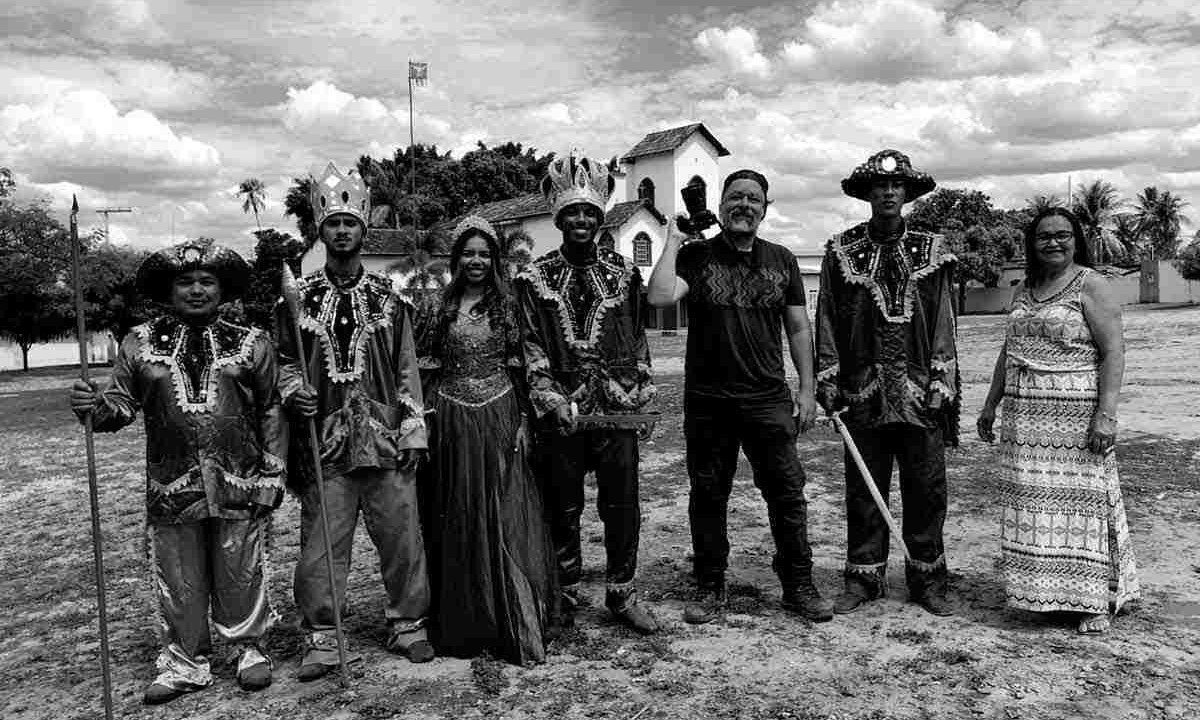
{"x":886,"y":165}
{"x":157,"y":274}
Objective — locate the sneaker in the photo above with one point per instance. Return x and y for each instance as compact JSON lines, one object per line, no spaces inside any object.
{"x":710,"y":606}
{"x":807,"y":602}
{"x":254,"y":670}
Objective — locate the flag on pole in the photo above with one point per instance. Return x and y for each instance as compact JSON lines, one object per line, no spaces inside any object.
{"x":418,"y":72}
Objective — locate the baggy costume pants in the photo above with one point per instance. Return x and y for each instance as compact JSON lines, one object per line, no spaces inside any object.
{"x":214,"y":561}
{"x":920,"y":454}
{"x":563,"y":464}
{"x":387,"y":499}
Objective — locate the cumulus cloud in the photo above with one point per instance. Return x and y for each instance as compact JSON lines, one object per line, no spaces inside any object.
{"x":558,"y":112}
{"x":735,"y":50}
{"x":323,"y":112}
{"x":895,"y":40}
{"x":81,"y":136}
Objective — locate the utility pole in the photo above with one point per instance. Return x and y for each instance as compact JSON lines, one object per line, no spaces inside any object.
{"x":108,"y":211}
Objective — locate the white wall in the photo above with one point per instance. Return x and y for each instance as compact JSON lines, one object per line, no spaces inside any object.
{"x":695,"y":157}
{"x":660,"y":169}
{"x":642,"y":221}
{"x":101,"y":349}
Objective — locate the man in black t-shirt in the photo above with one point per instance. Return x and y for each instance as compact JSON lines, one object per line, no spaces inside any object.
{"x":743,"y":293}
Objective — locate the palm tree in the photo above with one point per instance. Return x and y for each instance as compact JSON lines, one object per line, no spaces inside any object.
{"x":420,"y":264}
{"x":255,"y":196}
{"x":1160,"y":218}
{"x":1125,"y":241}
{"x":1094,"y":205}
{"x":1044,"y":202}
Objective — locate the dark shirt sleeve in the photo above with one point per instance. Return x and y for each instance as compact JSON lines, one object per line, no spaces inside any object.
{"x":272,"y":427}
{"x":794,"y":293}
{"x":828,"y":361}
{"x":118,"y":405}
{"x":545,"y":393}
{"x":688,"y":261}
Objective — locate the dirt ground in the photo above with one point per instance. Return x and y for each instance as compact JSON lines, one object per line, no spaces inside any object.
{"x":890,"y":661}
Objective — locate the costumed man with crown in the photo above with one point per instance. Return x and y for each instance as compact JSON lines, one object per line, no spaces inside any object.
{"x":886,"y":355}
{"x":366,"y":398}
{"x":586,"y":354}
{"x":215,"y":443}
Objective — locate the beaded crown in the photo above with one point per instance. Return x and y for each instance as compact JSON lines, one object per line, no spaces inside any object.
{"x":572,"y":179}
{"x":335,"y":192}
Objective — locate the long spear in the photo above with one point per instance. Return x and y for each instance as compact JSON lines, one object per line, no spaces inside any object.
{"x":93,"y":490}
{"x":291,"y":295}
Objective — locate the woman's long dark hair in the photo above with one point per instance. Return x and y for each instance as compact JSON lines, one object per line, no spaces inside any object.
{"x":1034,"y":271}
{"x":496,"y":300}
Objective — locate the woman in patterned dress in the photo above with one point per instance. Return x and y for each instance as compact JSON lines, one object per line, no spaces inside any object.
{"x":489,"y":551}
{"x":1064,"y":538}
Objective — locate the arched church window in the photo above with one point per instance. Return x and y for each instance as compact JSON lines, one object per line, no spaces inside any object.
{"x":646,"y":191}
{"x":641,"y":250}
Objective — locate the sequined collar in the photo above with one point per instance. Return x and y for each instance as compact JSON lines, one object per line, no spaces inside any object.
{"x":195,"y":354}
{"x":582,"y":295}
{"x":890,"y":270}
{"x":344,"y":319}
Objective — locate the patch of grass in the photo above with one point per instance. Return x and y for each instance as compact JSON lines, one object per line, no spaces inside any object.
{"x":910,"y":636}
{"x":488,"y":674}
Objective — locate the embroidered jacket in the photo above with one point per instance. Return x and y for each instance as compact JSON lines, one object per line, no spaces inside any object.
{"x":886,"y":329}
{"x":215,"y":436}
{"x":358,"y":347}
{"x":584,"y":334}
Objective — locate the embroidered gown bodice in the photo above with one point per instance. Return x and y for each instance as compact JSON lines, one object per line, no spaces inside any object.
{"x":474,"y":361}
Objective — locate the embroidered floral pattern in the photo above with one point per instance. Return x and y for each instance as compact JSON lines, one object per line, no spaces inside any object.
{"x":343,"y":320}
{"x":890,"y":270}
{"x":168,"y":341}
{"x":582,"y":295}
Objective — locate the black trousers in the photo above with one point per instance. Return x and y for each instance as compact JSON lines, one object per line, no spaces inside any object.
{"x":563,"y":462}
{"x":715,"y":430}
{"x":920,"y":454}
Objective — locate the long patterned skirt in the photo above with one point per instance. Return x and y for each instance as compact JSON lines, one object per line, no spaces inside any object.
{"x":1064,"y":538}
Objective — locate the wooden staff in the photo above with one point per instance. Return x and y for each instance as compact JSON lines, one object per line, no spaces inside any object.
{"x":870,"y":481}
{"x":93,"y":489}
{"x":291,"y":295}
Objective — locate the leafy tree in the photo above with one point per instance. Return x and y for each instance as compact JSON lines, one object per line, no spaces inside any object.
{"x":1126,"y":239}
{"x":982,"y":237}
{"x":298,"y":205}
{"x":1187,"y":260}
{"x":420,"y":264}
{"x":36,"y":303}
{"x":6,"y":183}
{"x":1095,"y":204}
{"x":110,"y":294}
{"x":271,"y":249}
{"x":1039,"y":203}
{"x":254,"y":195}
{"x":1160,"y":219}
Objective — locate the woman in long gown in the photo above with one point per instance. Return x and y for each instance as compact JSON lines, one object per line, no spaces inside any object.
{"x":1064,"y":537}
{"x":489,"y":552}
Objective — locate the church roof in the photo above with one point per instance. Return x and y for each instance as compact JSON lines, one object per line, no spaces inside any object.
{"x":668,"y":140}
{"x":620,"y":214}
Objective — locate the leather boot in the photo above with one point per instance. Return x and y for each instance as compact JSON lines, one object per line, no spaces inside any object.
{"x":861,"y":586}
{"x":805,"y":600}
{"x":709,"y":605}
{"x":927,"y":585}
{"x":625,"y":606}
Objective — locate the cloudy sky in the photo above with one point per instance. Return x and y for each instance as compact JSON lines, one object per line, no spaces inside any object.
{"x":165,"y":105}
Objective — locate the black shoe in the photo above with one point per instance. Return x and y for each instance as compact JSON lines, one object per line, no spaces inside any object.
{"x":156,"y":694}
{"x":807,"y":602}
{"x":710,"y":606}
{"x":934,"y":604}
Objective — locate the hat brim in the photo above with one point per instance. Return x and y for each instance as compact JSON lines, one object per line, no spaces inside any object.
{"x":858,"y":185}
{"x":157,"y":274}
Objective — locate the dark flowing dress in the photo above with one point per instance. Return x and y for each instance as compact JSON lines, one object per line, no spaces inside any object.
{"x":489,"y":549}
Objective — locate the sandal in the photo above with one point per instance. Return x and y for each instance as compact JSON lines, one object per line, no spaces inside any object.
{"x":1093,"y":624}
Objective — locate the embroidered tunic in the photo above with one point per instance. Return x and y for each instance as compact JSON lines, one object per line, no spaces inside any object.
{"x":886,"y":328}
{"x":585,"y":341}
{"x":358,"y":346}
{"x":215,"y":436}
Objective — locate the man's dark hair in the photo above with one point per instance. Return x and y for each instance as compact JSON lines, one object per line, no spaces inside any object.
{"x":746,"y":174}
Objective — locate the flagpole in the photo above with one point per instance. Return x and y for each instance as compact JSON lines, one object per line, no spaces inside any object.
{"x":412,"y":148}
{"x":93,"y":490}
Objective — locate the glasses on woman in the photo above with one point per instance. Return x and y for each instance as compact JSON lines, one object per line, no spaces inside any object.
{"x":1049,"y":237}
